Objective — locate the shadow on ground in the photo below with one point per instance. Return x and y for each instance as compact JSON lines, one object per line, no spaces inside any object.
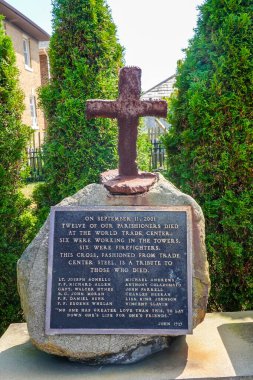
{"x":238,"y":341}
{"x":26,"y":362}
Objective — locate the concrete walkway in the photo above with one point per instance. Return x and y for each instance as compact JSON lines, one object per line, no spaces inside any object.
{"x":220,"y":348}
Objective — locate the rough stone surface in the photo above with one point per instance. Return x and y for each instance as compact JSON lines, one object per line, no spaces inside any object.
{"x":118,"y":184}
{"x":103,"y":349}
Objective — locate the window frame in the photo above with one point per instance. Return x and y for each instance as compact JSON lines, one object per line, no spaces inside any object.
{"x":33,"y":111}
{"x":27,"y":53}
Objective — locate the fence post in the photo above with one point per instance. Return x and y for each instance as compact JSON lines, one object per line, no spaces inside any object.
{"x":157,"y":156}
{"x":36,"y":164}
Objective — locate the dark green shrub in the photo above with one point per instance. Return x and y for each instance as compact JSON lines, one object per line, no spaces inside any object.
{"x":143,"y":148}
{"x":210,"y":145}
{"x":15,"y":221}
{"x":85,"y":59}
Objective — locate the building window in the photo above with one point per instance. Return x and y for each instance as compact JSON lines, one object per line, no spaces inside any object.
{"x":33,"y":112}
{"x":27,"y":54}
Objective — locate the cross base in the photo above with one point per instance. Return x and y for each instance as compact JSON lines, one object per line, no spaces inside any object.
{"x":127,"y":185}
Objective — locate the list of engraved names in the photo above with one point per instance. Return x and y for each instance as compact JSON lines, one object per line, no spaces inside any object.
{"x":124,"y":269}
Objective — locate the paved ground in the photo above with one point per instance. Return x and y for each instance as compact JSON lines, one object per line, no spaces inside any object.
{"x":220,"y":348}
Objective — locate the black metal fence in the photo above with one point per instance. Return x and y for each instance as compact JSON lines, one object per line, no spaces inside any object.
{"x":35,"y":161}
{"x":158,"y":159}
{"x":35,"y":165}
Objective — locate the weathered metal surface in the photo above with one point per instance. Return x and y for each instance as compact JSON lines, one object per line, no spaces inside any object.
{"x":127,"y":109}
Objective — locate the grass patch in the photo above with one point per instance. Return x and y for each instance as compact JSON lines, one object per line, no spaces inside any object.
{"x":27,"y":191}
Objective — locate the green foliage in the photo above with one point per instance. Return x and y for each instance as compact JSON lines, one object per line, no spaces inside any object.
{"x":16,"y":223}
{"x":210,"y":145}
{"x":143,"y":149}
{"x":85,"y":58}
{"x":42,"y":198}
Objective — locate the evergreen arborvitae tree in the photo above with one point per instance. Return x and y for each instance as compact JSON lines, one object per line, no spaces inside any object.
{"x":15,"y":221}
{"x":210,"y":145}
{"x":85,"y":59}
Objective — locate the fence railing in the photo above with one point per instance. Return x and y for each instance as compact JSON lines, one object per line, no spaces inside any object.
{"x":35,"y":158}
{"x":158,"y":159}
{"x":35,"y":164}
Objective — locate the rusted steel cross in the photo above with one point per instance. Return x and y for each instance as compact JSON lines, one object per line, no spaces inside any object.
{"x":127,"y":109}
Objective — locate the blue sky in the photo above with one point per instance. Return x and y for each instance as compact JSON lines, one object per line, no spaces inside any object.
{"x":153,"y":32}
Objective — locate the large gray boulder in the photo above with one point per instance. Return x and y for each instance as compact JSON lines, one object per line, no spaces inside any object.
{"x":102,"y":349}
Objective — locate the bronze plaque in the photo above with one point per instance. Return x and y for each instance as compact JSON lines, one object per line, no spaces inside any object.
{"x":120,"y":270}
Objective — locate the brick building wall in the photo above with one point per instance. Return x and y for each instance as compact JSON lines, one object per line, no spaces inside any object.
{"x":30,"y":80}
{"x":44,"y":68}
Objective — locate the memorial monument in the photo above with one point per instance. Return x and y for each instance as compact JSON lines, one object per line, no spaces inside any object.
{"x":119,"y":269}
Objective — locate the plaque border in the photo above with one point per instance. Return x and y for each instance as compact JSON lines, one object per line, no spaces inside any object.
{"x":83,"y":331}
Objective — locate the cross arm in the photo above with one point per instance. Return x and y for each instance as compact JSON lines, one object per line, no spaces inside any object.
{"x":101,"y":108}
{"x":153,"y":108}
